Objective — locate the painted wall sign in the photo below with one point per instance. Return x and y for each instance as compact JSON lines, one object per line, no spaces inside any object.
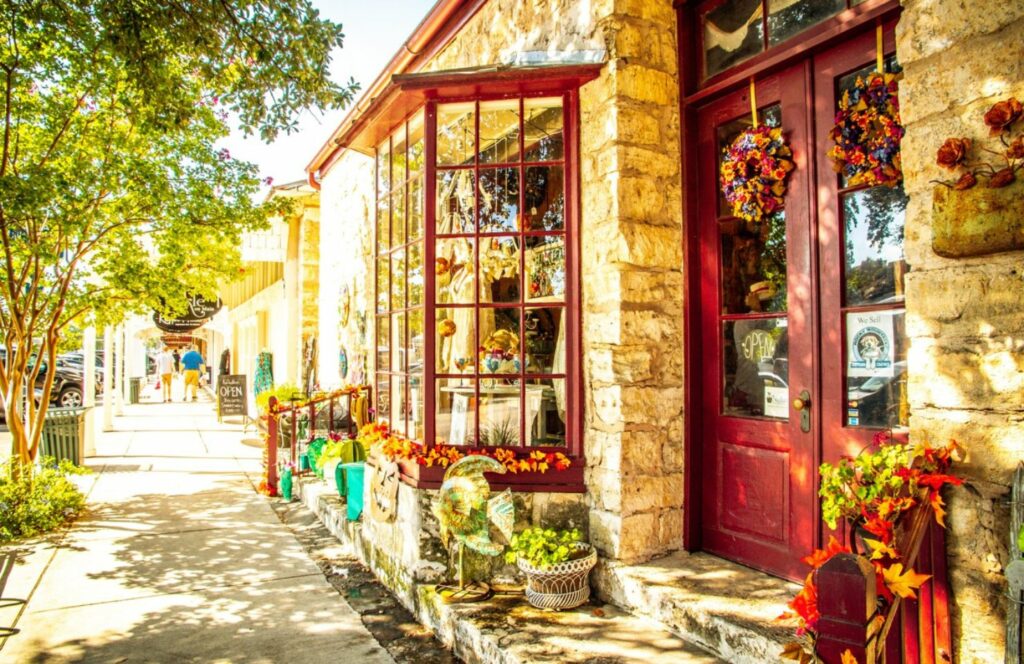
{"x":869,"y":344}
{"x":177,"y":325}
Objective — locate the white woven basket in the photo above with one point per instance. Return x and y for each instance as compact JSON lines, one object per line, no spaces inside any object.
{"x":561,"y":586}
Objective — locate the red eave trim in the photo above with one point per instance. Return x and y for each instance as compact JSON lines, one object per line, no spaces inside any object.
{"x":434,"y":32}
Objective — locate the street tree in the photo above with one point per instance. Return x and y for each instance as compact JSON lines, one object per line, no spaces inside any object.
{"x":114,"y":197}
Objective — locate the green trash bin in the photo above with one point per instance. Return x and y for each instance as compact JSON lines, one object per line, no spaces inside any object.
{"x":63,"y":434}
{"x":134,"y":389}
{"x":354,"y":485}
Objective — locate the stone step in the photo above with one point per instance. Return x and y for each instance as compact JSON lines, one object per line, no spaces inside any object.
{"x":719,"y":605}
{"x":507,"y":630}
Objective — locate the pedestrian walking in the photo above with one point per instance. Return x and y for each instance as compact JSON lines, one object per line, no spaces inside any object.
{"x":165,"y":367}
{"x":192,"y":362}
{"x":177,"y":361}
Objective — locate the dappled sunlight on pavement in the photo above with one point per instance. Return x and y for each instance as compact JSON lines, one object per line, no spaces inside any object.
{"x":179,"y":559}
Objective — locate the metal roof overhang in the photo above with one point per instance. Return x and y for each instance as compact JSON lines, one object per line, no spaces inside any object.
{"x":405,"y":93}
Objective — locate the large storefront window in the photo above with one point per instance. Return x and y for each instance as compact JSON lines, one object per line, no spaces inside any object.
{"x":499,"y":293}
{"x":399,"y":259}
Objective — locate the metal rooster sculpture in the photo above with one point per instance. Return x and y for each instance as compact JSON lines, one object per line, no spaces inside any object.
{"x":465,"y":510}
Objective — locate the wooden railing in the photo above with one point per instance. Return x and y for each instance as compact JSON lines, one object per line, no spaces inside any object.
{"x":848,"y":602}
{"x":292,"y":414}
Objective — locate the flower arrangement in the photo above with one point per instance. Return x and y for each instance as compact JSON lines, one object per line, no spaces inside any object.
{"x":754,"y":171}
{"x":867,"y":133}
{"x":498,"y":352}
{"x":395,"y":447}
{"x":954,"y":155}
{"x":874,"y":490}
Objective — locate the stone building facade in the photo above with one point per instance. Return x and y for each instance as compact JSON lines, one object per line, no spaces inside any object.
{"x":637,"y":238}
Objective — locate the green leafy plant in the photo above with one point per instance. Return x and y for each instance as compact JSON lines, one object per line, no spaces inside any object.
{"x":870,"y":478}
{"x":36,"y":501}
{"x":543,"y":548}
{"x":284,"y":392}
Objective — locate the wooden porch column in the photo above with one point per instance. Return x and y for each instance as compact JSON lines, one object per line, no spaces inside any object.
{"x":848,"y":607}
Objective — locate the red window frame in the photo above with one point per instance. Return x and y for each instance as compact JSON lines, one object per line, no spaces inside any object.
{"x":571,"y":479}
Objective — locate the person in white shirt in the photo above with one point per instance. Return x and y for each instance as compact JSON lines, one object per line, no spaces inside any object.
{"x":165,"y":367}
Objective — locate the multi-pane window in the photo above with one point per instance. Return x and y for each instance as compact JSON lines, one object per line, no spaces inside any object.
{"x":500,"y":284}
{"x":736,"y":30}
{"x":399,"y":267}
{"x":494,"y":366}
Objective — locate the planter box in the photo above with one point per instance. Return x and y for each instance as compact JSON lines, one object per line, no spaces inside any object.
{"x":977,"y":221}
{"x":562,"y":586}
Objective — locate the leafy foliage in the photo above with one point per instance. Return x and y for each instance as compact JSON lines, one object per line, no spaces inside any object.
{"x":114,"y":197}
{"x":285,"y":393}
{"x":870,"y":477}
{"x":543,"y":548}
{"x":32,"y":503}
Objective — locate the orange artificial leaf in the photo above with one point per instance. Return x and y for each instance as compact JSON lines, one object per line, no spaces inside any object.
{"x":903,"y":583}
{"x":880,"y":528}
{"x":848,"y":658}
{"x":821,"y":556}
{"x":880,"y":549}
{"x":936,"y":501}
{"x":795,"y":651}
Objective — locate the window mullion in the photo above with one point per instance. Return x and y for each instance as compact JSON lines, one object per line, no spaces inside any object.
{"x":429,"y":273}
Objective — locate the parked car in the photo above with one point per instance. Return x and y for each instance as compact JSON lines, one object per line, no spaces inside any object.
{"x":68,"y":383}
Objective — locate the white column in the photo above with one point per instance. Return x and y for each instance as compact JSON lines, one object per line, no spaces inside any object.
{"x":89,"y":367}
{"x":119,"y":371}
{"x":108,"y":378}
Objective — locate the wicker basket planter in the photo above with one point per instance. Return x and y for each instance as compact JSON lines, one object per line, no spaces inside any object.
{"x":561,"y":586}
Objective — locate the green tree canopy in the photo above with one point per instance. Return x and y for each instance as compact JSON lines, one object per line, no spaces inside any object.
{"x":113,"y":195}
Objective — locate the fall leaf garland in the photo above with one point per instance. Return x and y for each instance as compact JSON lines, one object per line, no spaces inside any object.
{"x":395,"y":447}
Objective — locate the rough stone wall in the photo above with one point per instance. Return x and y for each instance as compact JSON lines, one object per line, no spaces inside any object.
{"x":965,"y":317}
{"x":346,"y":238}
{"x":631,"y":249}
{"x":309,"y":270}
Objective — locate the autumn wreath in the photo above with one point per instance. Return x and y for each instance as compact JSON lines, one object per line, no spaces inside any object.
{"x":754,"y":171}
{"x":868,"y":132}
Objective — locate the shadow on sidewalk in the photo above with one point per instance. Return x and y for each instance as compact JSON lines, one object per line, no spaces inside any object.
{"x":203,"y":576}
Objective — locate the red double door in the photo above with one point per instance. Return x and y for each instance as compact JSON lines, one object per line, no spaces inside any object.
{"x":803,"y":353}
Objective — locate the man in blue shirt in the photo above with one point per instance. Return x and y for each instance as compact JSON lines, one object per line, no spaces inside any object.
{"x":192,"y":362}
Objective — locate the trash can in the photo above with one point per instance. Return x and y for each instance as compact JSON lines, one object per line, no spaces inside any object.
{"x":134,"y":388}
{"x":63,"y":434}
{"x":354,"y":488}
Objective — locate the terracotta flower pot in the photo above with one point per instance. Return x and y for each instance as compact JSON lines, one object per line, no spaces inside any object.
{"x":978,"y":221}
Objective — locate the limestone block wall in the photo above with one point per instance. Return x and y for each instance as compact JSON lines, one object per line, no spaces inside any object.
{"x":309,"y":270}
{"x":630,"y":249}
{"x":965,"y":317}
{"x":346,"y":253}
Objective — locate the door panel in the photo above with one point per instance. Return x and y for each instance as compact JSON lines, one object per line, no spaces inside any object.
{"x":757,"y":505}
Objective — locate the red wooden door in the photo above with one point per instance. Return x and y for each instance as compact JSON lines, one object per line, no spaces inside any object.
{"x":758,"y":344}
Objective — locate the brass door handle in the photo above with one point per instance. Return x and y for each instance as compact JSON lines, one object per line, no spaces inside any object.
{"x":803,"y":404}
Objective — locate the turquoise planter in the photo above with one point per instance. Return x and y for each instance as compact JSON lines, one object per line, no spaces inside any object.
{"x":286,"y":485}
{"x":354,"y":473}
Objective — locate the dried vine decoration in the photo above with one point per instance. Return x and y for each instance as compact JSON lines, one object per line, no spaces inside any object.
{"x":955,"y":153}
{"x":868,"y":132}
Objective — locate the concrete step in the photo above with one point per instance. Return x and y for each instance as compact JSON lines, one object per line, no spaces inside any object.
{"x":719,"y":605}
{"x":507,"y":630}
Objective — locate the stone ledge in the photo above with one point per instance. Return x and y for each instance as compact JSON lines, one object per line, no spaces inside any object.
{"x":716,"y":604}
{"x":505,"y":629}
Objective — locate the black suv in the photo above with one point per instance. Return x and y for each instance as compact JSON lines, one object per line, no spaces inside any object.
{"x":68,"y":382}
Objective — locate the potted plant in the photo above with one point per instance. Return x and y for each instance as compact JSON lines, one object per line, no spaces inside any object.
{"x":556,"y":564}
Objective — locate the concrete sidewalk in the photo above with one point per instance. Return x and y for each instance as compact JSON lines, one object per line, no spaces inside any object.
{"x":177,"y":560}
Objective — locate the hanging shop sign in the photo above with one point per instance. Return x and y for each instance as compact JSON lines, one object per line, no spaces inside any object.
{"x":869,"y":344}
{"x":200,"y":310}
{"x":177,"y":325}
